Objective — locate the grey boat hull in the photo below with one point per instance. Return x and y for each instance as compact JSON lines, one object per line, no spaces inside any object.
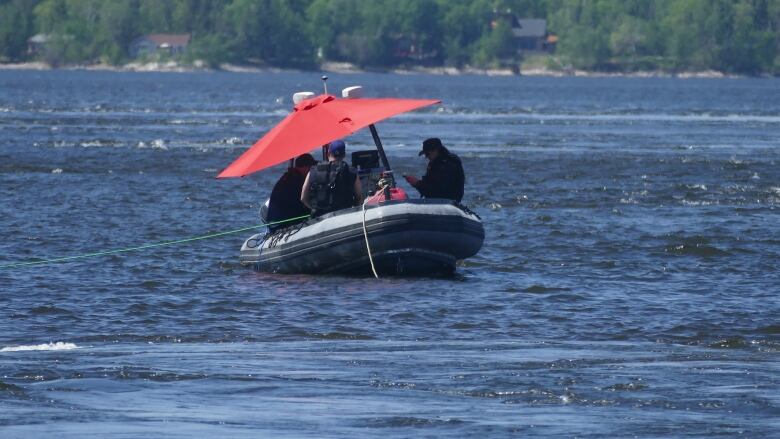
{"x":410,"y":237}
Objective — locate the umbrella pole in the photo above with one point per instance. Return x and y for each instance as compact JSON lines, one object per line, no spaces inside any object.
{"x":379,"y":147}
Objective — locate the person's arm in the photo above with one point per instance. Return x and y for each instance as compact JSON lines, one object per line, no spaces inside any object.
{"x":305,"y":191}
{"x":427,"y":182}
{"x":412,"y":180}
{"x":358,"y":190}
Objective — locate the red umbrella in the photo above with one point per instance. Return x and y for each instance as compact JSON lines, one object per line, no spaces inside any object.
{"x":313,"y":123}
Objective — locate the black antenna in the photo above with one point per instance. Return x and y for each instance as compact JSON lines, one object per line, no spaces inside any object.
{"x":325,"y":83}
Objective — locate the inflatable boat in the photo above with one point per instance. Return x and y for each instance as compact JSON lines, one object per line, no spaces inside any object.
{"x":422,"y":237}
{"x":389,"y":234}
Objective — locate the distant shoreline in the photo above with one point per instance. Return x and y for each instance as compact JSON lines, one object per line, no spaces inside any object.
{"x":348,"y":68}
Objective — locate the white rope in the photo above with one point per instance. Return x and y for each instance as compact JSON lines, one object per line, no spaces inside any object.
{"x":365,"y":235}
{"x":365,"y":231}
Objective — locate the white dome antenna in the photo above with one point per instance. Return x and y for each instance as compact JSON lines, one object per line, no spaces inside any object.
{"x":352,"y":92}
{"x":302,"y":96}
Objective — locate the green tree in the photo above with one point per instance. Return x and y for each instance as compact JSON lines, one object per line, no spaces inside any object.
{"x":117,"y":26}
{"x":155,"y":16}
{"x":196,"y":16}
{"x":690,"y":28}
{"x":69,"y":36}
{"x":269,"y":31}
{"x":463,"y":22}
{"x":628,"y":37}
{"x":584,"y":40}
{"x":731,"y":35}
{"x":16,"y":26}
{"x":745,"y":47}
{"x":497,"y":47}
{"x":414,"y":27}
{"x":326,"y":20}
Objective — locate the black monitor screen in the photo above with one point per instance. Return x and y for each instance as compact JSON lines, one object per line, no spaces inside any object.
{"x":365,"y":159}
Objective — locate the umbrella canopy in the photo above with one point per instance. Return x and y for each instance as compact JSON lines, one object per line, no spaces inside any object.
{"x":313,"y":123}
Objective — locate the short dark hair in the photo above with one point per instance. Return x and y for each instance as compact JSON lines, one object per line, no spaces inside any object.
{"x":304,"y":160}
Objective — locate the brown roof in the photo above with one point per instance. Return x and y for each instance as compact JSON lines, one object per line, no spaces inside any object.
{"x":172,"y":40}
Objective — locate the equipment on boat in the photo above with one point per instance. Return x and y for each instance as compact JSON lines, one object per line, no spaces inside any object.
{"x":388,"y":234}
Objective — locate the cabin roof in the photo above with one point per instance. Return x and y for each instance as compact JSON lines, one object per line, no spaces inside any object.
{"x":172,"y":40}
{"x":530,"y":27}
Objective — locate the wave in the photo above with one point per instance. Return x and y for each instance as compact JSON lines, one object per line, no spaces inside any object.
{"x":540,"y":289}
{"x":232,"y":141}
{"x":58,"y":346}
{"x":693,"y":246}
{"x":621,"y":117}
{"x":409,"y":421}
{"x":154,"y":144}
{"x":163,"y":114}
{"x":99,"y":143}
{"x":250,"y":116}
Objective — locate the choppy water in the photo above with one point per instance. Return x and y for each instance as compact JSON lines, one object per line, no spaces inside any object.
{"x":628,"y":285}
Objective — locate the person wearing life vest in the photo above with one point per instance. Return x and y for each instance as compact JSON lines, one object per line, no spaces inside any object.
{"x":332,"y":186}
{"x":285,"y":201}
{"x":444,"y":177}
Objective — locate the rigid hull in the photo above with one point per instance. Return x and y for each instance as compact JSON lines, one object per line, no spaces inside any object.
{"x":410,"y":237}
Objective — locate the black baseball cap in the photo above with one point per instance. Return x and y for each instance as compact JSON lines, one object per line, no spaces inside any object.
{"x":431,"y":144}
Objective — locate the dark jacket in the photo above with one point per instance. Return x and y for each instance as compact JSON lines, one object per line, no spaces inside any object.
{"x":444,"y":178}
{"x":331,"y":187}
{"x":285,"y":199}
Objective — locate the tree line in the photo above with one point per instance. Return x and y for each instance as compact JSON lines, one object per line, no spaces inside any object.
{"x":736,"y":36}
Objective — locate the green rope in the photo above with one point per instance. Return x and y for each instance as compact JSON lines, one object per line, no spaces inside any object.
{"x":145,"y":246}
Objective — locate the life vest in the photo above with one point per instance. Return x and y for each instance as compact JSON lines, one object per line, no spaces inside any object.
{"x":331,"y":187}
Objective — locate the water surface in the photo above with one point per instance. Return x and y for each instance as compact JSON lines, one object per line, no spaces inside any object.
{"x":627,"y":287}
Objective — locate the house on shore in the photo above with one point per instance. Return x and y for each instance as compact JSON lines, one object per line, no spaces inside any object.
{"x":410,"y":48}
{"x":152,"y":44}
{"x":36,"y":43}
{"x":530,"y":33}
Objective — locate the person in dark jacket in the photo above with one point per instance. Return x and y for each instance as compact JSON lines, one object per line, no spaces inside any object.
{"x":444,"y":177}
{"x":285,"y":199}
{"x":332,"y":186}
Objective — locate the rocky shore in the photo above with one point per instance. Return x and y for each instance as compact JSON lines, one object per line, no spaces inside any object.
{"x":348,"y":68}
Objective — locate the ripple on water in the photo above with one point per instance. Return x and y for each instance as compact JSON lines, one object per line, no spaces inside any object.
{"x":730,"y":343}
{"x":694,"y":246}
{"x":408,"y":421}
{"x":49,"y":310}
{"x":11,"y":389}
{"x":541,"y":289}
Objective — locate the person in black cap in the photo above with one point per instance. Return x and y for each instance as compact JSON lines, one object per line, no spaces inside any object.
{"x":332,"y":186}
{"x":444,"y":177}
{"x":285,"y":199}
